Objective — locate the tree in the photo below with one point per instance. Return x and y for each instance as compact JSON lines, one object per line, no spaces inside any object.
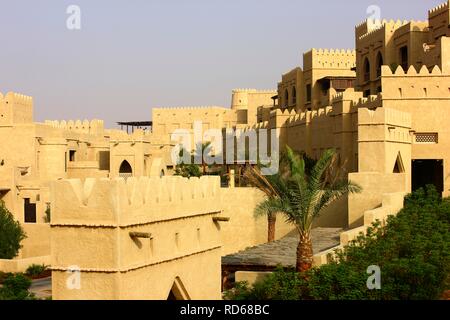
{"x":273,"y":187}
{"x":15,"y":287}
{"x":11,"y":234}
{"x":202,"y":149}
{"x":187,"y":170}
{"x":302,"y":196}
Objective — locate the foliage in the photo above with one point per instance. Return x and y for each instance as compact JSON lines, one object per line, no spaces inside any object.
{"x":3,"y":276}
{"x":11,"y":234}
{"x":36,"y":270}
{"x":15,"y":287}
{"x":300,"y":193}
{"x":187,"y":170}
{"x":412,"y":251}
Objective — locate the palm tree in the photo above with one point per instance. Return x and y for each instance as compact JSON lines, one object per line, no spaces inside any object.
{"x":273,"y":187}
{"x":202,"y":149}
{"x":303,"y":195}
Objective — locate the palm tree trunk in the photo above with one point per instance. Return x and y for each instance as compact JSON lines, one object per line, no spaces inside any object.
{"x":304,"y":253}
{"x":271,"y":223}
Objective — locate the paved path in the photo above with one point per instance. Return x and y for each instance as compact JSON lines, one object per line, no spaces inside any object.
{"x":42,"y":288}
{"x":283,"y":251}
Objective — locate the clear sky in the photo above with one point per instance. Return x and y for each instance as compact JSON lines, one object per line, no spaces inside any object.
{"x":130,"y":56}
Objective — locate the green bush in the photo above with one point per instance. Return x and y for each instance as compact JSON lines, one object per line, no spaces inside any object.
{"x":412,"y":251}
{"x":3,"y":276}
{"x":11,"y":234}
{"x":15,"y":287}
{"x":36,"y":270}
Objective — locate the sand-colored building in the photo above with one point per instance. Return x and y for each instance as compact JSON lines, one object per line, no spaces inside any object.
{"x":34,"y":154}
{"x":382,"y":107}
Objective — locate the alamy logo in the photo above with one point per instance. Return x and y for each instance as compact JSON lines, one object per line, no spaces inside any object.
{"x":73,"y":281}
{"x":242,"y":146}
{"x":374,"y":16}
{"x":374,"y":280}
{"x":73,"y":22}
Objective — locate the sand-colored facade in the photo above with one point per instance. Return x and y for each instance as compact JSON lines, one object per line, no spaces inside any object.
{"x":382,"y":107}
{"x":149,"y":238}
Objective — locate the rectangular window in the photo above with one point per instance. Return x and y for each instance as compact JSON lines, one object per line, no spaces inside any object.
{"x":308,"y":93}
{"x":404,"y":58}
{"x":30,"y":211}
{"x":72,"y":155}
{"x":426,"y":138}
{"x":103,"y":160}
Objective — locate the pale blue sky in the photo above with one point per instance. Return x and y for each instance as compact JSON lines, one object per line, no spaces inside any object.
{"x":133,"y":55}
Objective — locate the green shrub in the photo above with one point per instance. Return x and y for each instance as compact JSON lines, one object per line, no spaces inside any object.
{"x":11,"y":234}
{"x":3,"y":276}
{"x":36,"y":270}
{"x":15,"y":287}
{"x":412,"y":251}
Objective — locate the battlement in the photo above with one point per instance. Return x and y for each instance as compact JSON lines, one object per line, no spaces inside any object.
{"x":384,"y":116}
{"x":17,"y":99}
{"x":376,"y":26}
{"x":191,"y":108}
{"x":386,"y":71}
{"x":16,"y":108}
{"x":85,"y":126}
{"x":329,"y":58}
{"x":254,"y":91}
{"x":444,"y":7}
{"x":332,"y":52}
{"x":348,"y":95}
{"x":134,"y":201}
{"x":370,"y":102}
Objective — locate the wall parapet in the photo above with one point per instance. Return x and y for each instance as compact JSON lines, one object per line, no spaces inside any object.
{"x":16,"y":99}
{"x":443,"y":7}
{"x":85,"y":126}
{"x":144,"y":200}
{"x":386,"y":71}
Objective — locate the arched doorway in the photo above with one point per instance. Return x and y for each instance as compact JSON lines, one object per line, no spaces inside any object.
{"x":125,"y":170}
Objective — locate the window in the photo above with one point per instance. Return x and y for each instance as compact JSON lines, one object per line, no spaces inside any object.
{"x":294,"y":96}
{"x":286,"y":98}
{"x":366,"y":70}
{"x":103,"y":160}
{"x":72,"y":155}
{"x":404,"y":58}
{"x":398,"y":166}
{"x":308,"y":93}
{"x":379,"y":64}
{"x":426,"y":138}
{"x":125,"y":171}
{"x":29,"y":210}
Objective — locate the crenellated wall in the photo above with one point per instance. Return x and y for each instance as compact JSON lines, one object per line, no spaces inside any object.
{"x":94,"y":127}
{"x":15,"y":108}
{"x":92,"y":221}
{"x":92,"y":228}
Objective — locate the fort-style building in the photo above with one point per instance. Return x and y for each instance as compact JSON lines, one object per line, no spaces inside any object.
{"x":382,"y":107}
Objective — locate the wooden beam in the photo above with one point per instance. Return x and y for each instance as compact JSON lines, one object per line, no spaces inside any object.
{"x":144,"y":235}
{"x":221,"y":219}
